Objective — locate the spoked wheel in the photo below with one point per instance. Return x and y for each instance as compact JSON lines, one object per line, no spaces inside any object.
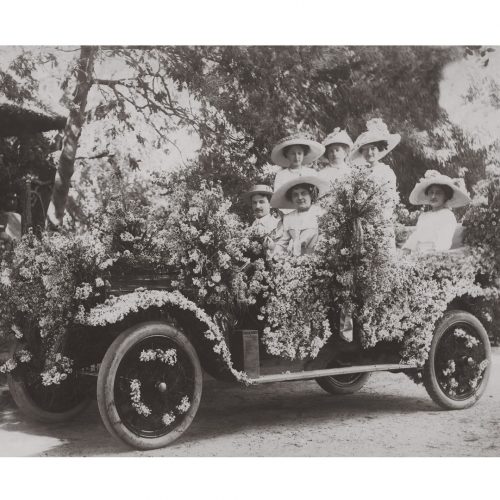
{"x":149,"y":386}
{"x":52,"y":403}
{"x":457,"y":370}
{"x":343,"y":384}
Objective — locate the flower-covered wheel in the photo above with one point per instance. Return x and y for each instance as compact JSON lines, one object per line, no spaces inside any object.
{"x":149,"y":385}
{"x":62,"y":400}
{"x":457,"y":370}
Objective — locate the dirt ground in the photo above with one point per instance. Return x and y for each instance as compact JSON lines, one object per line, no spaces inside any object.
{"x":390,"y":416}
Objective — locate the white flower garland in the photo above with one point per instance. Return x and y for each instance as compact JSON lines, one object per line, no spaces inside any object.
{"x":169,"y":357}
{"x":135,"y":396}
{"x":115,"y":309}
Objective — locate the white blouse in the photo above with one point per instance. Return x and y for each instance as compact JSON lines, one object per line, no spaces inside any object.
{"x":333,"y":174}
{"x":265,"y":225}
{"x":287,"y":174}
{"x":299,"y":232}
{"x":434,"y":232}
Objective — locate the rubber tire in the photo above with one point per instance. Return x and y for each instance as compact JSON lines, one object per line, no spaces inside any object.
{"x":429,"y":375}
{"x":106,"y":384}
{"x":21,"y":396}
{"x":331,"y":385}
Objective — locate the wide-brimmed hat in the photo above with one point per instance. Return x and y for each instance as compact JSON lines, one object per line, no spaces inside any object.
{"x":460,"y":196}
{"x":263,"y":189}
{"x":338,"y":137}
{"x":376,"y":131}
{"x":279,"y":199}
{"x":316,"y":149}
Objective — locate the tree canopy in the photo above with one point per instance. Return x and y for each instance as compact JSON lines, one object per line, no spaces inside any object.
{"x":239,"y":100}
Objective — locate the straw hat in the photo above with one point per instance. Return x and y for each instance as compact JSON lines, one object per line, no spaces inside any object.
{"x":338,"y":137}
{"x":262,"y":189}
{"x":376,"y":130}
{"x":460,"y":197}
{"x":316,"y":150}
{"x":279,"y":199}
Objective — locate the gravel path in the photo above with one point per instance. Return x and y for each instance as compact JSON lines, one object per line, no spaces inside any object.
{"x":390,"y":416}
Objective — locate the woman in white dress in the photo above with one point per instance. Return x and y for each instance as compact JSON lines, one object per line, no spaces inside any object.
{"x":292,"y":154}
{"x":370,"y":147}
{"x":435,"y":229}
{"x":299,"y":230}
{"x":338,"y":145}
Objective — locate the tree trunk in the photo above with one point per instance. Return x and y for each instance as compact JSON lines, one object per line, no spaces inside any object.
{"x":72,"y":131}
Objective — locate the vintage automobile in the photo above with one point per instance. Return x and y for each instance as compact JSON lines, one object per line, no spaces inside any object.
{"x":148,"y":367}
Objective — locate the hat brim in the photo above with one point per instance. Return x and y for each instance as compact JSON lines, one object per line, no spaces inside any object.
{"x":418,"y":196}
{"x":279,"y":199}
{"x":316,"y":150}
{"x":392,"y":141}
{"x":248,"y":195}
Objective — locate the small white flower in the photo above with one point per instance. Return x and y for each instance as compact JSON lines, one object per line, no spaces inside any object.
{"x":168,"y":418}
{"x":17,"y":332}
{"x":184,"y":405}
{"x":126,"y":236}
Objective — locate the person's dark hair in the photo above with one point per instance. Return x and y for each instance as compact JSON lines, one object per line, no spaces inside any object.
{"x":448,"y":191}
{"x":313,"y":191}
{"x":304,"y":147}
{"x":380,"y":145}
{"x":345,"y":146}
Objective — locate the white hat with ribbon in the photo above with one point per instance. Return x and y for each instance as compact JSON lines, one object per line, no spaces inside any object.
{"x":376,"y":131}
{"x":460,"y":196}
{"x":338,"y":137}
{"x":314,"y":149}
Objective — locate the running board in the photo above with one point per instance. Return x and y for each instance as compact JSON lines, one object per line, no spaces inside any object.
{"x":283,"y":377}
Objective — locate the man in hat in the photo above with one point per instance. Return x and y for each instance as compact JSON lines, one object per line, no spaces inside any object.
{"x":260,"y":196}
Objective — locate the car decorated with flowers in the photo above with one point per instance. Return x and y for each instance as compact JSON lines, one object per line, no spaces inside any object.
{"x":154,"y":294}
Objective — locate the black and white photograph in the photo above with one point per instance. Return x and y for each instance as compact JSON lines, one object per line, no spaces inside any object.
{"x":249,"y":250}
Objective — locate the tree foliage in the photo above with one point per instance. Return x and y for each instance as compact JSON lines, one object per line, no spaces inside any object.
{"x":239,"y":100}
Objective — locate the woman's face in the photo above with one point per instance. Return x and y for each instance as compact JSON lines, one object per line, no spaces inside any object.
{"x":295,"y":155}
{"x":301,"y":199}
{"x":370,"y":153}
{"x":436,"y":196}
{"x":336,"y":152}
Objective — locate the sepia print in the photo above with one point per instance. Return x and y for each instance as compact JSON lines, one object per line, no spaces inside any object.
{"x":249,"y":251}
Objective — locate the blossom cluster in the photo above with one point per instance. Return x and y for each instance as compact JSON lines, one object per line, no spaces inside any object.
{"x":59,"y":371}
{"x":44,"y":282}
{"x":482,"y":220}
{"x":168,"y":357}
